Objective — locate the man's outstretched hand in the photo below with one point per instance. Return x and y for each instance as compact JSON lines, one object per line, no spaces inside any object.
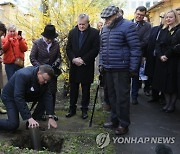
{"x":52,"y":123}
{"x":33,"y":123}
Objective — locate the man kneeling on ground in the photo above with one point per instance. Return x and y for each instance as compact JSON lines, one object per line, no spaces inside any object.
{"x":27,"y":85}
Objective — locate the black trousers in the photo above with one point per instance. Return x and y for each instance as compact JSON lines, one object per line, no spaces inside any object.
{"x":74,"y":92}
{"x":118,"y":85}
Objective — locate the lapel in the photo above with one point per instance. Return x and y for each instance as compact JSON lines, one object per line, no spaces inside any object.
{"x":76,"y":38}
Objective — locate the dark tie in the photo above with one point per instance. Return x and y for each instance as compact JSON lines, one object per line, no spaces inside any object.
{"x":137,"y":24}
{"x":80,"y":39}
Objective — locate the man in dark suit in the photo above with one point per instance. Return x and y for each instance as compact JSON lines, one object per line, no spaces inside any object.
{"x":27,"y":85}
{"x":82,"y":48}
{"x":143,"y":28}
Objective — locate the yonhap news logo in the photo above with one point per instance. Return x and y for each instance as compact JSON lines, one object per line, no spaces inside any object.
{"x":143,"y":140}
{"x":103,"y":140}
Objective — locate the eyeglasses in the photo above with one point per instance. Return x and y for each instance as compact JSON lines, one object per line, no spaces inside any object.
{"x":141,"y":15}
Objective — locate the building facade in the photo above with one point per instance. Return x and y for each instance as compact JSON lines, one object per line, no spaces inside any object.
{"x":131,"y":5}
{"x":160,"y":8}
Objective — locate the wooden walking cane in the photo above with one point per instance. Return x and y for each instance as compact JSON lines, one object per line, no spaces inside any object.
{"x":90,"y":123}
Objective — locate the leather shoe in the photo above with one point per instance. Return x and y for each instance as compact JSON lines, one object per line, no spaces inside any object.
{"x":135,"y":101}
{"x":110,"y":125}
{"x":84,"y":115}
{"x":70,"y":114}
{"x":170,"y":109}
{"x":121,"y":130}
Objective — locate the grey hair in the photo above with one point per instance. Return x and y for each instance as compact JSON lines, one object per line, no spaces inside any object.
{"x":11,"y":27}
{"x":83,"y":15}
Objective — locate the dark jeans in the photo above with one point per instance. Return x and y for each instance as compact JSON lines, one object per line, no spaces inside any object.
{"x":12,"y":123}
{"x":147,"y":85}
{"x":11,"y":69}
{"x":135,"y":87}
{"x":118,"y":84}
{"x":74,"y":92}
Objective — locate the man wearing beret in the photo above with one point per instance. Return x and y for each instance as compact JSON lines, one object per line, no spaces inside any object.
{"x":120,"y":56}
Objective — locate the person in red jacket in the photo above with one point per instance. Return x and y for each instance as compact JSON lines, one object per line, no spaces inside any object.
{"x":13,"y":46}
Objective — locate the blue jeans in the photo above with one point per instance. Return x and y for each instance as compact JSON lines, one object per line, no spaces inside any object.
{"x":11,"y":69}
{"x":12,"y":123}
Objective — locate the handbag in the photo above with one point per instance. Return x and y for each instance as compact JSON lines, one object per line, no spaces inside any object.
{"x":19,"y":62}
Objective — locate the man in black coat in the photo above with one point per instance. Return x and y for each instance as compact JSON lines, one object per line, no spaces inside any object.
{"x":27,"y":85}
{"x":82,"y":48}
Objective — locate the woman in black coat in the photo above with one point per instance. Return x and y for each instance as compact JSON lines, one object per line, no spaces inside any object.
{"x":165,"y":75}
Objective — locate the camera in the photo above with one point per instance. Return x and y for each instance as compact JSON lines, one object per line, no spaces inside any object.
{"x":20,"y":33}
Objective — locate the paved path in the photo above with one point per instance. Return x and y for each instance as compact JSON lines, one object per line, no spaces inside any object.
{"x":148,"y":121}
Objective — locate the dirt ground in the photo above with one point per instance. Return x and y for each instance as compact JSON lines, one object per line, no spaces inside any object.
{"x":73,"y":135}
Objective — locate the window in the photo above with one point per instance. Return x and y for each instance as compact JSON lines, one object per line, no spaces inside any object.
{"x":147,"y":4}
{"x":155,"y":2}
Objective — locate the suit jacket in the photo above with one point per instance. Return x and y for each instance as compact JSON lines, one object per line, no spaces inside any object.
{"x":24,"y":87}
{"x":143,"y":29}
{"x":88,"y":52}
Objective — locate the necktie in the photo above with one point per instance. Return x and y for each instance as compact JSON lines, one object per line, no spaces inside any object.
{"x":137,"y":24}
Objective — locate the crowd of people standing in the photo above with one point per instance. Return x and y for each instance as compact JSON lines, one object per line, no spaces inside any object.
{"x":123,"y":46}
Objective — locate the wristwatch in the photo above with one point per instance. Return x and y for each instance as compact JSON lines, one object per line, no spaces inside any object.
{"x":50,"y":116}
